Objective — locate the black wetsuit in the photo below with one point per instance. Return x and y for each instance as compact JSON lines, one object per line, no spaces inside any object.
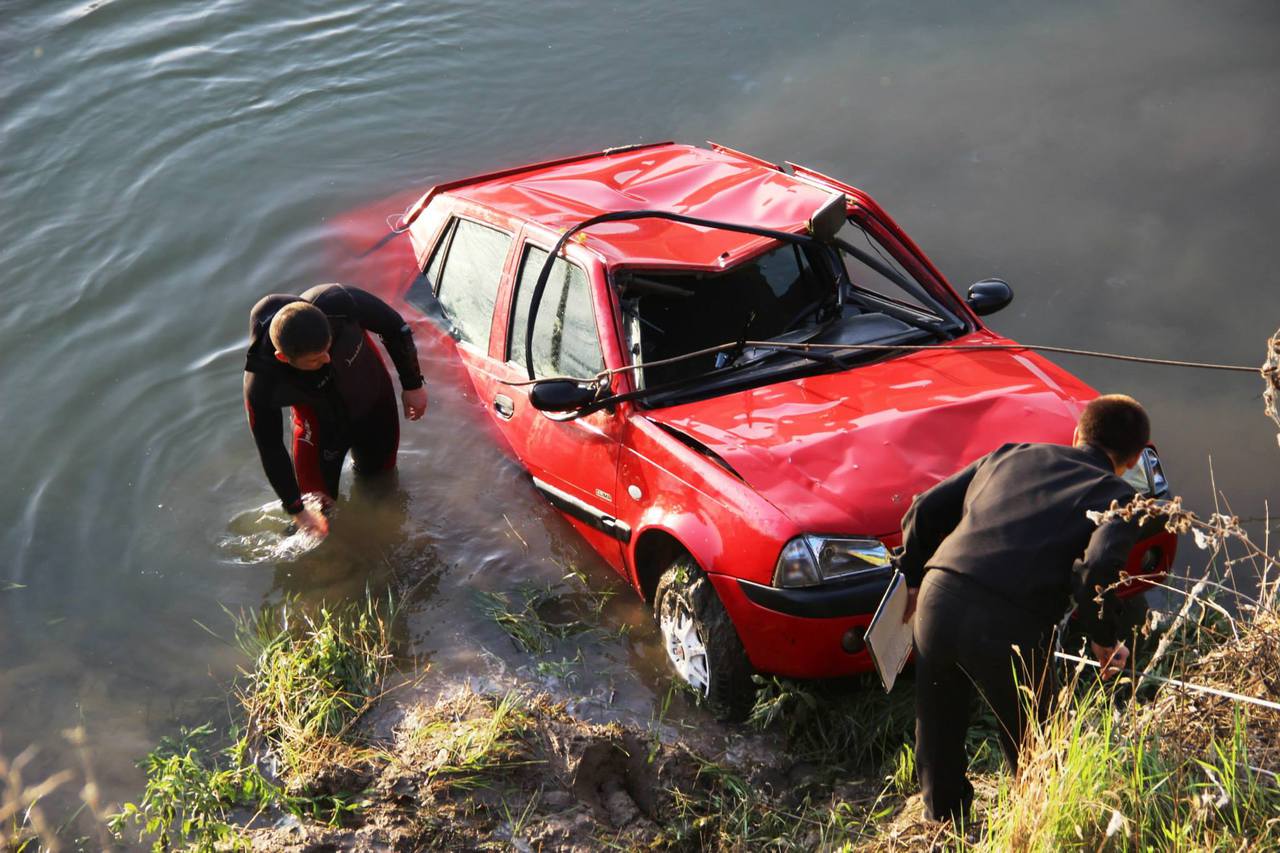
{"x":998,"y":551}
{"x":347,"y":405}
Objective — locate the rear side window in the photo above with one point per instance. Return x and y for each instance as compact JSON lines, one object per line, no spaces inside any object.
{"x":565,"y":341}
{"x":466,"y":270}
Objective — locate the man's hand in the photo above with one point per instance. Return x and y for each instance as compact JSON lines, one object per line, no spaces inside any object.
{"x":415,"y":403}
{"x":1112,"y":658}
{"x":913,"y":592}
{"x":312,"y":521}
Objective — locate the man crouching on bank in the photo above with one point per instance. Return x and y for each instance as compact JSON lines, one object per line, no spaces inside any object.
{"x":991,"y":556}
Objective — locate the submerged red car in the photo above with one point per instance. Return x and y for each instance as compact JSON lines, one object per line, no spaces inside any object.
{"x":708,"y":382}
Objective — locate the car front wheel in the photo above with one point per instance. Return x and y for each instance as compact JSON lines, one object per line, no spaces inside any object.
{"x":701,"y":642}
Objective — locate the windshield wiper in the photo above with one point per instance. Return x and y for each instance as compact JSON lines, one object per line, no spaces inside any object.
{"x":793,"y":348}
{"x":712,"y":374}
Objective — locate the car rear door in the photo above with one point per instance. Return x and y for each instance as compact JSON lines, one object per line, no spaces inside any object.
{"x":573,"y":462}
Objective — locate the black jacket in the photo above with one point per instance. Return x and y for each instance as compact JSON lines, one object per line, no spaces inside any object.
{"x":338,"y":393}
{"x":1014,"y":523}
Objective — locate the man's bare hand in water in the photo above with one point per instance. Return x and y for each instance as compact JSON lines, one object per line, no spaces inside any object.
{"x":415,"y":403}
{"x":312,"y":521}
{"x":1112,"y":658}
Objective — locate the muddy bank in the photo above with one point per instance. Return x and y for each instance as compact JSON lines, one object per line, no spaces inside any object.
{"x":476,"y":771}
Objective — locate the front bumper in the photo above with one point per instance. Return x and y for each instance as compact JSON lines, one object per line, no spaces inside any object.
{"x":801,"y":633}
{"x":804,"y":633}
{"x":855,"y":597}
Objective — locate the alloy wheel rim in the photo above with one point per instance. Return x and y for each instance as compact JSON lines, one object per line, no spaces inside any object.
{"x":685,"y":646}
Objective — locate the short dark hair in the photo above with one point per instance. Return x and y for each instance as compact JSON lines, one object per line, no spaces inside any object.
{"x":1117,"y":424}
{"x":299,"y":329}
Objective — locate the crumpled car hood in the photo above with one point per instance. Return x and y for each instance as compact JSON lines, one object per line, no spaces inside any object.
{"x":846,"y":452}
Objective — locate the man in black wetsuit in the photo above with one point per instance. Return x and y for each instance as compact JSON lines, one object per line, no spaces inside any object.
{"x":992,"y":557}
{"x":313,"y":354}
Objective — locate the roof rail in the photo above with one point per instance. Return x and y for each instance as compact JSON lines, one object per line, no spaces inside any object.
{"x":420,"y":205}
{"x":741,"y":155}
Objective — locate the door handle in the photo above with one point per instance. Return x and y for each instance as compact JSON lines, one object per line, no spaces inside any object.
{"x":503,"y":405}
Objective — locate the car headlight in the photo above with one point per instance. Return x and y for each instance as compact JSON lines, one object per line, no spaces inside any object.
{"x":1159,"y":485}
{"x":811,"y":560}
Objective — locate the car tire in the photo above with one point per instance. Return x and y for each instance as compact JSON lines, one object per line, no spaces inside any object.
{"x":700,"y":641}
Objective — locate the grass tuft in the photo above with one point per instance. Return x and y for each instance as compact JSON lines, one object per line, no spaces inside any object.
{"x":313,"y":675}
{"x":483,"y":735}
{"x":1091,"y":778}
{"x":539,"y":618}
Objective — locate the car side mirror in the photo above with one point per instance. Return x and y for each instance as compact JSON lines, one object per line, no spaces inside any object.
{"x":988,"y":296}
{"x":560,"y":395}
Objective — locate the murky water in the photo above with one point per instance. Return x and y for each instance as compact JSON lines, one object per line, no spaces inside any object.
{"x":163,"y":164}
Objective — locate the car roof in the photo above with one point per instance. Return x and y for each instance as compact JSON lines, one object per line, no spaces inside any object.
{"x":717,"y":184}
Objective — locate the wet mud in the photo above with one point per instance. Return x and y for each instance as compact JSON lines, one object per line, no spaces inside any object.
{"x":542,"y":780}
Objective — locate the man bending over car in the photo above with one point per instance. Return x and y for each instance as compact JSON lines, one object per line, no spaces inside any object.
{"x":992,"y":556}
{"x":313,"y":354}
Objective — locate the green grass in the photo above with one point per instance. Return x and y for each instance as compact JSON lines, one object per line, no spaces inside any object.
{"x":1093,"y":779}
{"x":539,"y":618}
{"x":724,"y":811}
{"x":851,"y":721}
{"x":313,"y":675}
{"x":854,"y":724}
{"x":465,"y":748}
{"x":190,"y":794}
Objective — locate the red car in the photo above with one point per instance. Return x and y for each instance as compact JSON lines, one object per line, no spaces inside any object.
{"x":720,"y":409}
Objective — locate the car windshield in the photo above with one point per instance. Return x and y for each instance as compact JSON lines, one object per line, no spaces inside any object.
{"x":790,"y":294}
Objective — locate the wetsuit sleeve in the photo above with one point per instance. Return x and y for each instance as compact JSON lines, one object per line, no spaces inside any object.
{"x":931,"y":518}
{"x":1107,"y":553}
{"x":378,"y":317}
{"x":266,"y":425}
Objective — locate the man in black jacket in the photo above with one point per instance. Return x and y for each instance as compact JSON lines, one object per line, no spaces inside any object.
{"x":992,"y":556}
{"x":313,"y":354}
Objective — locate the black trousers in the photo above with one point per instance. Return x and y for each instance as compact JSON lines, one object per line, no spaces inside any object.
{"x":965,"y":639}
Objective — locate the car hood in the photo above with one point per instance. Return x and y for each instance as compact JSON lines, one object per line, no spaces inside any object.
{"x":846,"y":452}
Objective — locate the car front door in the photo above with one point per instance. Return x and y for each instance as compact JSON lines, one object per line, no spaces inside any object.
{"x":573,"y":462}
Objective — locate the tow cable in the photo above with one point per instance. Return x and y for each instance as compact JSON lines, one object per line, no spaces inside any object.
{"x":604,"y":374}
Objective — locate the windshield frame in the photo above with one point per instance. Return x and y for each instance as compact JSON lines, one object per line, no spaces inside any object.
{"x":907,"y":256}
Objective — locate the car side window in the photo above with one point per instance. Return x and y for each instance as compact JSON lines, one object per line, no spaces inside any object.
{"x":422,"y":292}
{"x":466,"y":270}
{"x":565,"y":340}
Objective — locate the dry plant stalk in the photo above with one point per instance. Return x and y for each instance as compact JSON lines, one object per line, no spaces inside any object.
{"x":1271,"y":375}
{"x":17,"y":800}
{"x":1251,"y":666}
{"x":1247,"y":663}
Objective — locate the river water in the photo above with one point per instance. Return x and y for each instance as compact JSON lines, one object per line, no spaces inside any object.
{"x":164,"y":164}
